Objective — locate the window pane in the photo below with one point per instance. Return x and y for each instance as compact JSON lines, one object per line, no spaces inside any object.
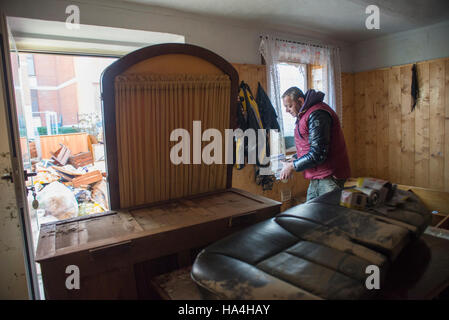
{"x":30,"y":65}
{"x":318,"y":78}
{"x":34,"y":100}
{"x":291,"y":75}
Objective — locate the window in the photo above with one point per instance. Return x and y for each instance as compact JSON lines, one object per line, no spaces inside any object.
{"x":291,"y":75}
{"x":304,"y":77}
{"x":34,"y":100}
{"x":30,"y":66}
{"x":316,"y":77}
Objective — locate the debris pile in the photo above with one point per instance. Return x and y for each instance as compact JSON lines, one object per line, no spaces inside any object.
{"x":67,"y":185}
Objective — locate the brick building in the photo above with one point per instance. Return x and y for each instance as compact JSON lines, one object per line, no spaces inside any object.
{"x":65,"y":84}
{"x":53,"y":86}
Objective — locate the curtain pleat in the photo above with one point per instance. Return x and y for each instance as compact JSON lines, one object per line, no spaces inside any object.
{"x":148,"y":109}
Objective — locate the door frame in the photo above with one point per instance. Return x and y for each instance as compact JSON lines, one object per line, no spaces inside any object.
{"x":16,"y":164}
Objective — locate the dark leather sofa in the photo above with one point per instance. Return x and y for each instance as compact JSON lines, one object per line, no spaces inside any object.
{"x":317,"y":250}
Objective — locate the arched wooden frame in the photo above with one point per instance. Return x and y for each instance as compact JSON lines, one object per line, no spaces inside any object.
{"x":108,"y":101}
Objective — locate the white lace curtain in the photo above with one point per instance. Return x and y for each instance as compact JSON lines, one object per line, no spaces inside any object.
{"x":276,"y":51}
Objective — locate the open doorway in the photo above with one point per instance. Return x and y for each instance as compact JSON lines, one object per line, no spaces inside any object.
{"x":61,"y":135}
{"x":56,"y":122}
{"x":62,"y":114}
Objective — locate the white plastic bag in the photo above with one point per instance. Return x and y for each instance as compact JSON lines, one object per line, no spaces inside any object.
{"x":58,"y":200}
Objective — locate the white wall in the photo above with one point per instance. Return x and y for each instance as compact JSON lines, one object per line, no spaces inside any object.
{"x":431,"y":42}
{"x":236,"y":41}
{"x":88,"y":72}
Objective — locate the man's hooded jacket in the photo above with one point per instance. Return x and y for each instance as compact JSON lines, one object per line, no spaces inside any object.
{"x":320,"y":144}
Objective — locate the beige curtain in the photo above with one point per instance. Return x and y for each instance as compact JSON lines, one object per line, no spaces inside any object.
{"x":148,"y":109}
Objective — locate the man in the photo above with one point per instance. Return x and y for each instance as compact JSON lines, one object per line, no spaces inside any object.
{"x":320,"y":145}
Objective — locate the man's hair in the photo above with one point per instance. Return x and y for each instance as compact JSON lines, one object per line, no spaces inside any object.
{"x":294,"y":92}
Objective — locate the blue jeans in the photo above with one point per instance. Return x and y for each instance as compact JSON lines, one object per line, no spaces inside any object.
{"x":319,"y":187}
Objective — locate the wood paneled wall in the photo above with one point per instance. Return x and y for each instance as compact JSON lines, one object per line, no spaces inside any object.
{"x":384,"y":138}
{"x":244,"y":179}
{"x":252,"y":74}
{"x":348,"y":121}
{"x":389,"y":140}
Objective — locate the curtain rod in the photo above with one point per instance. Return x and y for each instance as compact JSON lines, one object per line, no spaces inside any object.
{"x":298,"y":42}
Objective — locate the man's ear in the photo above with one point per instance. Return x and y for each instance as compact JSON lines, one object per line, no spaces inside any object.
{"x":300,"y":103}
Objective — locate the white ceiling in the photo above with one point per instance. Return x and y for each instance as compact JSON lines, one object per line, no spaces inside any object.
{"x":342,"y":19}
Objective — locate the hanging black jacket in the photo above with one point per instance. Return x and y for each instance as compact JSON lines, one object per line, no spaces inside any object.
{"x":249,"y":116}
{"x":267,"y":112}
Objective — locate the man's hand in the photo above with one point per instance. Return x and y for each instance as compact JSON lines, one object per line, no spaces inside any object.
{"x":287,"y":170}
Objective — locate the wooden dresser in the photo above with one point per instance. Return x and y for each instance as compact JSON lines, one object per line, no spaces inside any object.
{"x":162,"y":214}
{"x":106,"y":247}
